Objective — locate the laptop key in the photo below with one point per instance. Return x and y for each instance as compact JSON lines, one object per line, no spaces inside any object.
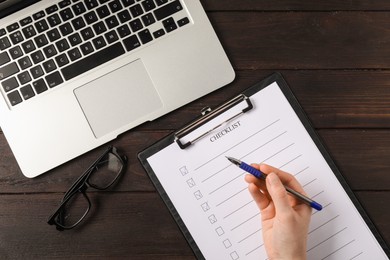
{"x":148,"y":19}
{"x":168,"y":10}
{"x":111,"y":37}
{"x":87,"y":33}
{"x":10,"y":84}
{"x":29,"y":31}
{"x":92,"y":61}
{"x":8,"y":70}
{"x":161,"y":2}
{"x":24,"y":77}
{"x":75,"y":39}
{"x":16,"y":52}
{"x":36,"y":72}
{"x":25,"y":21}
{"x":62,"y":60}
{"x":4,"y":58}
{"x":24,"y":62}
{"x":41,"y":40}
{"x":27,"y":92}
{"x":112,"y":22}
{"x":74,"y":54}
{"x":124,"y":16}
{"x":136,"y":25}
{"x":145,"y":36}
{"x":136,"y":10}
{"x":41,"y":25}
{"x":123,"y":30}
{"x":78,"y":23}
{"x":148,"y":5}
{"x":79,"y":8}
{"x":66,"y":29}
{"x":16,"y":37}
{"x":51,"y":9}
{"x":64,"y":3}
{"x":4,"y":43}
{"x":40,"y":86}
{"x":38,"y":15}
{"x":131,"y":43}
{"x":53,"y":34}
{"x":37,"y":56}
{"x":91,"y":4}
{"x":49,"y":66}
{"x":86,"y":48}
{"x":54,"y":20}
{"x":28,"y":46}
{"x":54,"y":79}
{"x":99,"y":42}
{"x":183,"y":21}
{"x":115,"y":6}
{"x":62,"y":45}
{"x":50,"y":51}
{"x":12,"y":27}
{"x":158,"y":33}
{"x":127,"y":3}
{"x":99,"y":28}
{"x":103,"y":11}
{"x":169,"y":24}
{"x":14,"y":98}
{"x":66,"y":14}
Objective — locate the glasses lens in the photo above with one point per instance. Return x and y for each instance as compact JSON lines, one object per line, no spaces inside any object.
{"x":106,"y":172}
{"x":74,"y":210}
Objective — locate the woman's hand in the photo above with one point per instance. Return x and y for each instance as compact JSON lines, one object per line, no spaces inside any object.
{"x":285,"y":220}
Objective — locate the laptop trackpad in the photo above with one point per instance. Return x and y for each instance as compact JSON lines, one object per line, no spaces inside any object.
{"x":118,"y":98}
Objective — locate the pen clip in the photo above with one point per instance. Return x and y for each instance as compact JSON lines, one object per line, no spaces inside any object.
{"x":207,"y":115}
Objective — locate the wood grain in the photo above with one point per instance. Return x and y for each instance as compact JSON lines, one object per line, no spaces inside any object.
{"x":131,"y":225}
{"x":335,"y":55}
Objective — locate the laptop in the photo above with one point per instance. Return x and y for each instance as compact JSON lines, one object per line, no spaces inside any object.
{"x":74,"y":74}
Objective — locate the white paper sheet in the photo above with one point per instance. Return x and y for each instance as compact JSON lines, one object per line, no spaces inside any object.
{"x":211,"y":196}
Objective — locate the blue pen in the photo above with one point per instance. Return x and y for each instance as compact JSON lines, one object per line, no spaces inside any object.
{"x":260,"y":175}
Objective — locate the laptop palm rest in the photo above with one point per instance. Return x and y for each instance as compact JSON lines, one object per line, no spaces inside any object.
{"x":118,"y":98}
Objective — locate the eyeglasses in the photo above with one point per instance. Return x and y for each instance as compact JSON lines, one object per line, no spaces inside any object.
{"x":101,"y":175}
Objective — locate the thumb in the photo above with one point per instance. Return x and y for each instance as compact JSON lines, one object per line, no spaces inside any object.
{"x":278,"y":193}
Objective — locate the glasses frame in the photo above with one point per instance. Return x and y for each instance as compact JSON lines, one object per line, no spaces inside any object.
{"x":81,"y":185}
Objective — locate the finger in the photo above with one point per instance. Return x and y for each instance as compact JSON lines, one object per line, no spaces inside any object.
{"x":278,"y":193}
{"x":261,"y":200}
{"x":286,"y":178}
{"x":249,"y":178}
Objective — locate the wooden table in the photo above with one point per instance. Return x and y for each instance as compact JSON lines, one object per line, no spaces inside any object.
{"x":335,"y":55}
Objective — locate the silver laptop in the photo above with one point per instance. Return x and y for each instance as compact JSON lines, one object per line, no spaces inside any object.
{"x":75,"y":74}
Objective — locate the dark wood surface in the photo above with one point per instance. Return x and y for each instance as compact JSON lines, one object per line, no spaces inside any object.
{"x":335,"y":55}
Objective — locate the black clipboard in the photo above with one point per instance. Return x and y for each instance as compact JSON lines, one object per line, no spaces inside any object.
{"x":208,"y":114}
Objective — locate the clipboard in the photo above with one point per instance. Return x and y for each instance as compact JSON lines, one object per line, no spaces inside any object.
{"x":205,"y":126}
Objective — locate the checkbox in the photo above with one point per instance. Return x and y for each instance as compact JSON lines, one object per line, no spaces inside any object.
{"x":205,"y":206}
{"x":212,"y":219}
{"x":234,"y":255}
{"x":198,"y":195}
{"x":191,"y":183}
{"x":227,"y":243}
{"x":219,"y":231}
{"x":183,"y":170}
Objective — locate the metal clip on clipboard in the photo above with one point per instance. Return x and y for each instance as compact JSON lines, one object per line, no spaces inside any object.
{"x":207,"y":115}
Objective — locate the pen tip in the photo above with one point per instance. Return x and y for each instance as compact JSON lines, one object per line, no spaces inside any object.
{"x":233,"y":160}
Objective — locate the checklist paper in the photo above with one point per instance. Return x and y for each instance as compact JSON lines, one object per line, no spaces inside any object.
{"x":211,"y":197}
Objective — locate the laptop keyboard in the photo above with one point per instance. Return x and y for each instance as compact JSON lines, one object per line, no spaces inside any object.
{"x":67,"y":39}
